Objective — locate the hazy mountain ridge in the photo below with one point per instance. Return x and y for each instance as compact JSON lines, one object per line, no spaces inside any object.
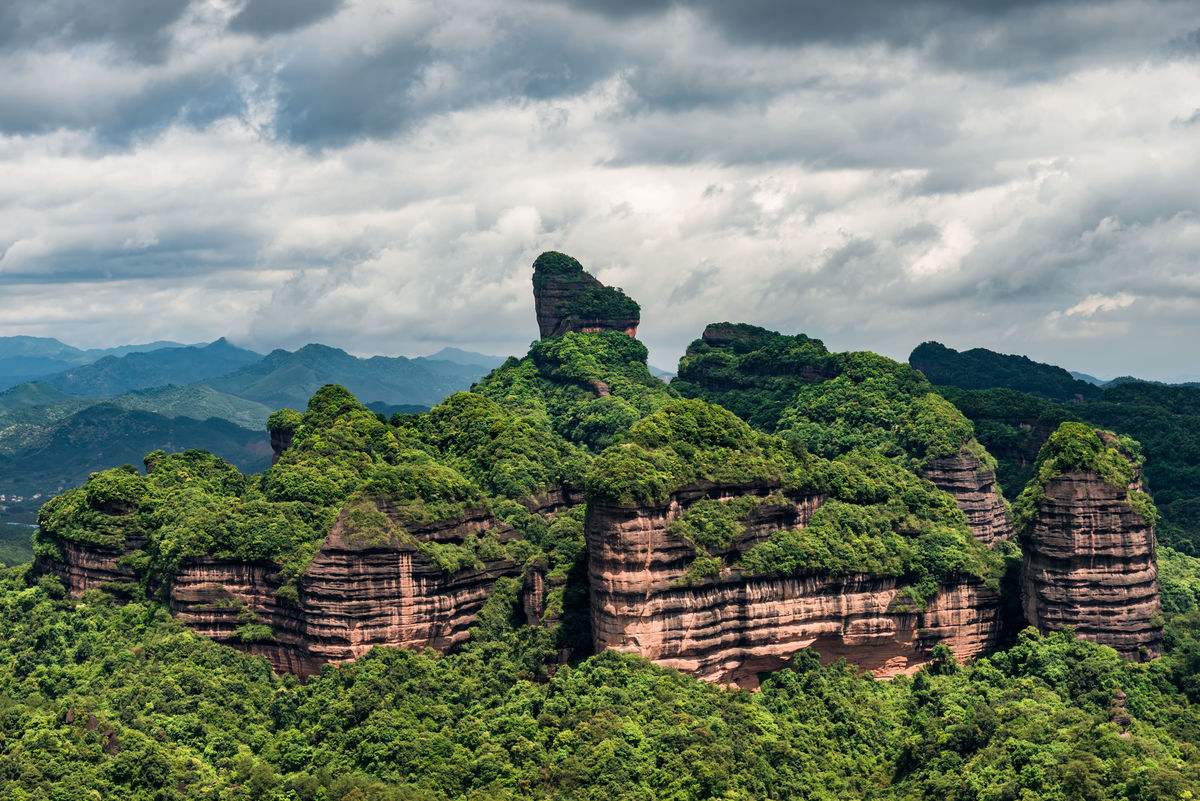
{"x":289,"y":378}
{"x":25,"y":358}
{"x":141,"y":401}
{"x":114,"y":375}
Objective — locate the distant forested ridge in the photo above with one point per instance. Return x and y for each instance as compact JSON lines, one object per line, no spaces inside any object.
{"x":1013,"y":424}
{"x":101,"y":407}
{"x":980,"y":368}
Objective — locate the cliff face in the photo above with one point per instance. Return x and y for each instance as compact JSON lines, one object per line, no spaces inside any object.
{"x":974,"y":488}
{"x":1089,"y":564}
{"x":730,"y":628}
{"x":568,"y":298}
{"x":353,"y":596}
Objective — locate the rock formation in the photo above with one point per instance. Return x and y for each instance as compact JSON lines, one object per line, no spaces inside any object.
{"x":973,"y":485}
{"x":567,"y":298}
{"x":354,"y":594}
{"x":1089,"y":565}
{"x":730,"y":628}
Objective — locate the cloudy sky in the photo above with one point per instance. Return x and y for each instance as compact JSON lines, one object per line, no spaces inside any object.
{"x":1021,"y":175}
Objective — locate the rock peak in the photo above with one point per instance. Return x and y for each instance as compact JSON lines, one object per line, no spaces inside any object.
{"x":568,"y":298}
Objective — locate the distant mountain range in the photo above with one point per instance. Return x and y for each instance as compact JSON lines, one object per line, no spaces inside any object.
{"x":113,"y":375}
{"x":104,"y":406}
{"x":25,"y":358}
{"x":286,"y":378}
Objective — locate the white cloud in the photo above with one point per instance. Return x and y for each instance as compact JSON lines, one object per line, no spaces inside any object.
{"x":1094,"y":304}
{"x":867,"y":193}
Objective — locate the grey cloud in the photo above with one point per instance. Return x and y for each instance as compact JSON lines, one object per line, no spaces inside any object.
{"x":343,"y":95}
{"x":381,"y":180}
{"x":139,"y":27}
{"x":691,"y":287}
{"x":268,"y":17}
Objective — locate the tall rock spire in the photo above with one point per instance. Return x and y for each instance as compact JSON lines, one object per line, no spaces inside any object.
{"x":567,"y":298}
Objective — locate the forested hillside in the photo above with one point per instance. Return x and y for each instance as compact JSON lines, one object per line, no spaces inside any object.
{"x":109,"y":695}
{"x":980,"y":368}
{"x":1165,"y":419}
{"x":107,"y":701}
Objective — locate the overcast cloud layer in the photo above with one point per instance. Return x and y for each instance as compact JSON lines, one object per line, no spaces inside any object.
{"x":1018,"y":175}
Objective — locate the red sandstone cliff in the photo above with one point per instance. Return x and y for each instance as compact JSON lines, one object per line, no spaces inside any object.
{"x":728,"y":629}
{"x":1089,"y":564}
{"x":973,"y":485}
{"x":354,"y":595}
{"x":568,"y":298}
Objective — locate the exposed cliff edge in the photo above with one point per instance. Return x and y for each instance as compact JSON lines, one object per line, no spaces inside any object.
{"x":1087,"y":531}
{"x":356,"y":593}
{"x":972,"y":482}
{"x":730,"y":627}
{"x":746,"y":553}
{"x":364,"y":587}
{"x":568,"y":298}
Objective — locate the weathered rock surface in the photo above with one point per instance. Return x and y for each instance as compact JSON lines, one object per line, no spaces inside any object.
{"x":352,"y":597}
{"x":568,"y":298}
{"x":89,"y":567}
{"x":1089,"y":564}
{"x":730,"y":628}
{"x":974,"y":488}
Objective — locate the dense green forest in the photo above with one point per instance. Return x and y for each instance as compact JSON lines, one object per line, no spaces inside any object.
{"x":980,"y":368}
{"x":118,"y":701}
{"x":1013,"y":425}
{"x":106,"y":696}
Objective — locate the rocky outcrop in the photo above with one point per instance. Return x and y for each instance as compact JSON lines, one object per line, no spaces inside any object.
{"x":568,"y":298}
{"x":355,"y":594}
{"x":86,"y":566}
{"x":973,"y":485}
{"x":730,"y":628}
{"x":1089,"y":565}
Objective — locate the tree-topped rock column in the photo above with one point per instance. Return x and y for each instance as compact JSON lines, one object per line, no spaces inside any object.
{"x":1087,"y":531}
{"x":723,"y":551}
{"x":568,"y":298}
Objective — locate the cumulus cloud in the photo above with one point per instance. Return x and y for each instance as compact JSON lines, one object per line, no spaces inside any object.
{"x":380,"y":175}
{"x":1094,"y":304}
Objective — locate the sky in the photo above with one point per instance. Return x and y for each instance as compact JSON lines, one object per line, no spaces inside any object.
{"x":1022,"y":175}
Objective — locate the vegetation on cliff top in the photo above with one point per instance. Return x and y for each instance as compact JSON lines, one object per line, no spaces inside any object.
{"x":831,"y":403}
{"x":465,"y":453}
{"x":588,"y":388}
{"x":879,"y":518}
{"x":592,"y":301}
{"x":1077,"y":447}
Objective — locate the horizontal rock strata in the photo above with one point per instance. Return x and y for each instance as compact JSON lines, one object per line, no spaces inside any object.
{"x":974,"y":488}
{"x":1089,"y":564}
{"x":731,"y":628}
{"x":352,"y":597}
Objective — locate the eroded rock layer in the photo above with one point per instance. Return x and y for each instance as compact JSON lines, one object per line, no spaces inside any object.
{"x":568,"y":298}
{"x":730,"y":628}
{"x":353,"y":596}
{"x":1089,"y":564}
{"x":973,"y":485}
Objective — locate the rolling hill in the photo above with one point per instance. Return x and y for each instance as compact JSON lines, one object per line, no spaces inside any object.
{"x":114,"y":375}
{"x":105,"y":434}
{"x":286,"y":378}
{"x":980,"y":368}
{"x":24,"y":358}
